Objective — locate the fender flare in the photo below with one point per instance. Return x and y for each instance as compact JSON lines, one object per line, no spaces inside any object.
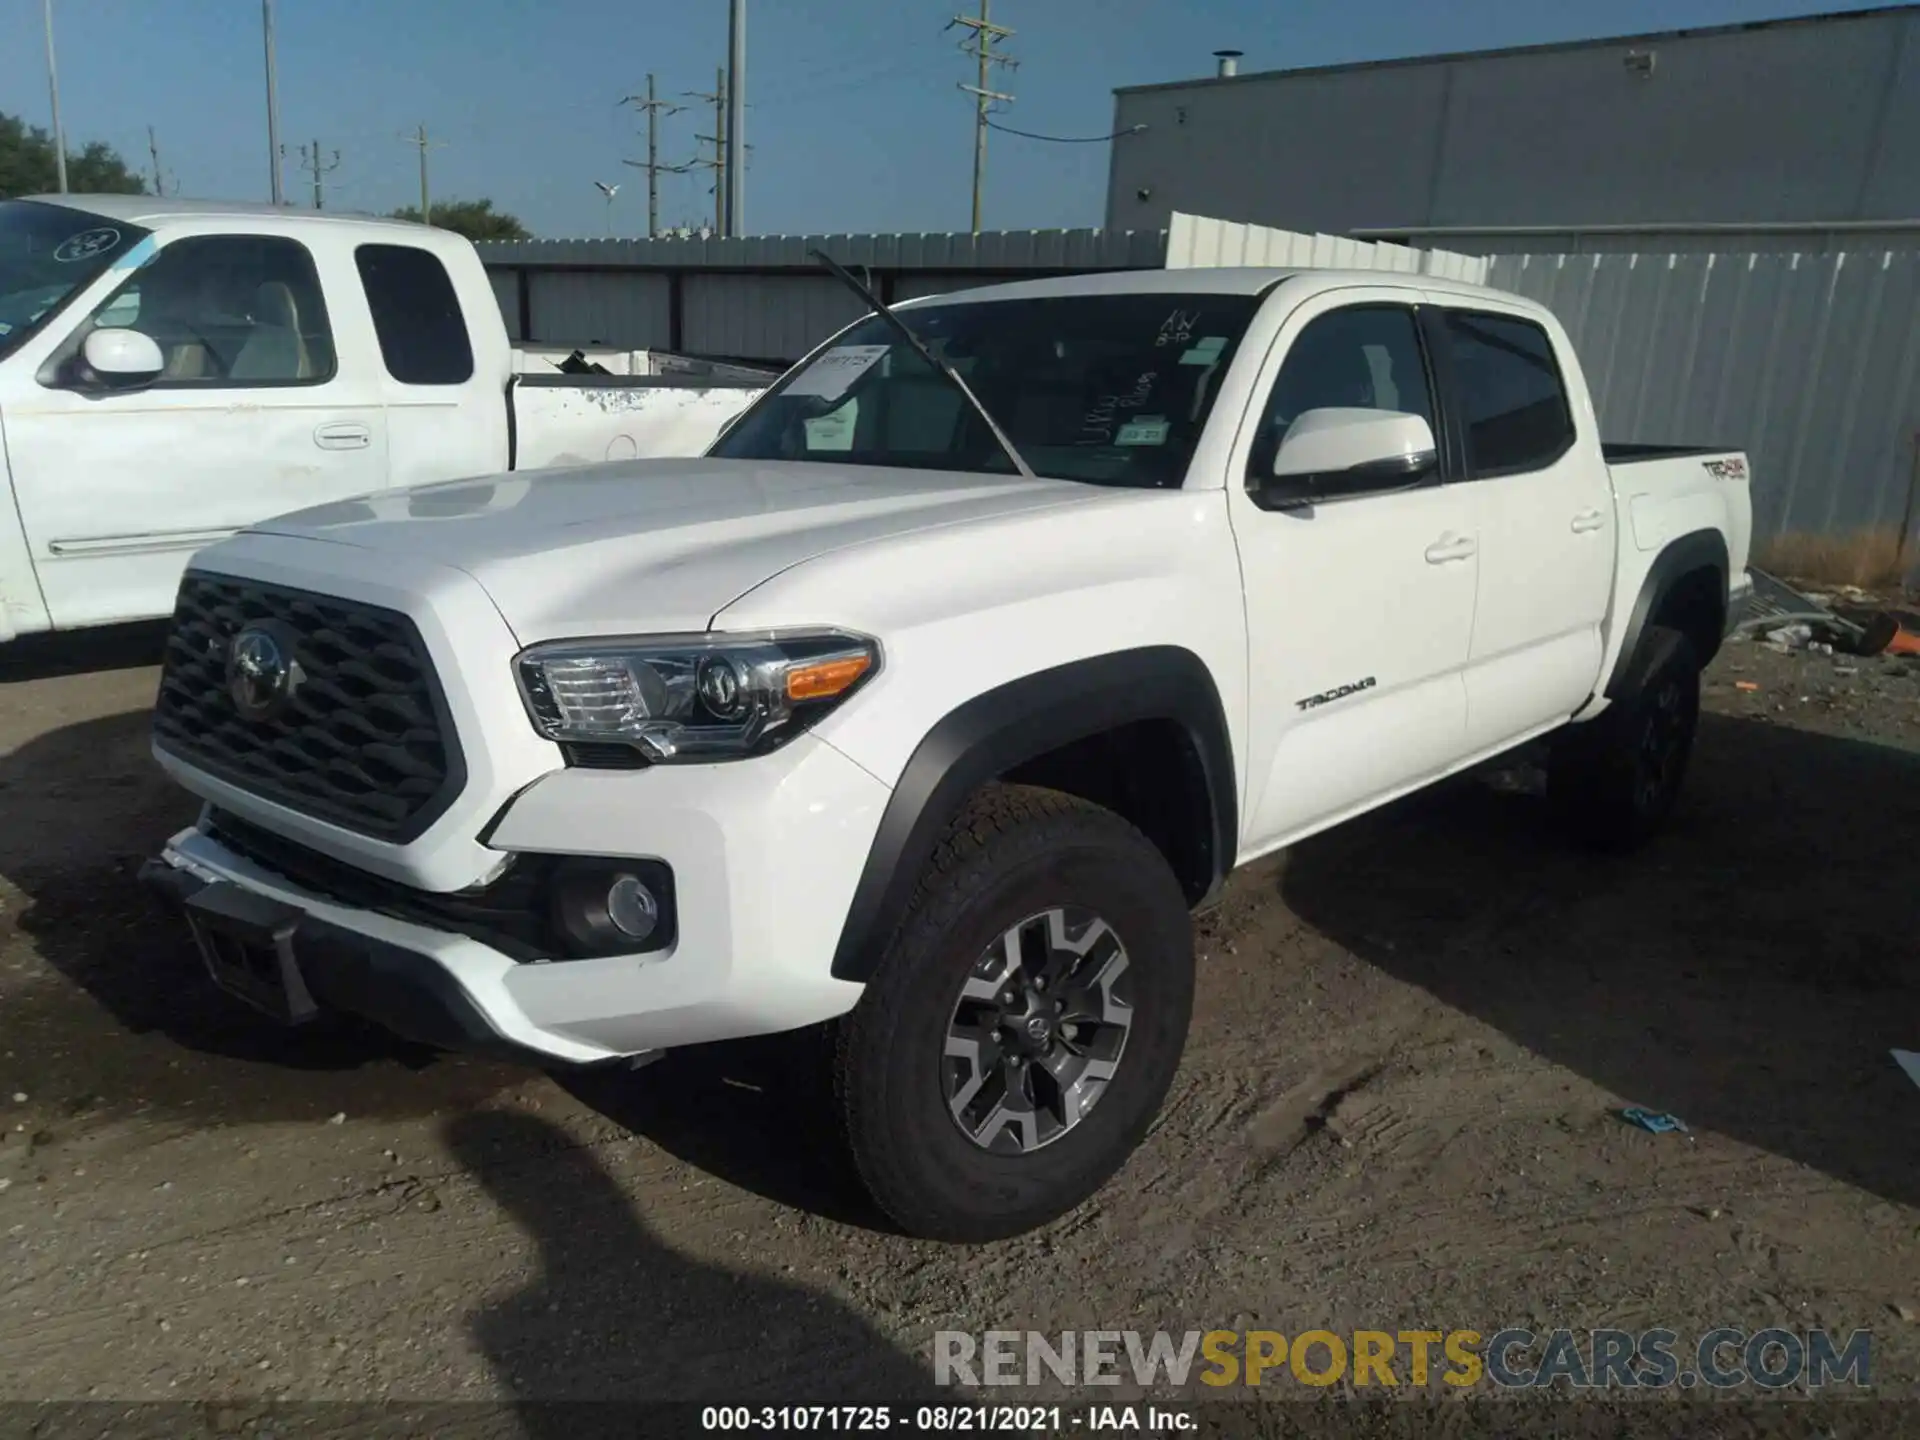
{"x":1018,"y":721}
{"x":1696,"y":550}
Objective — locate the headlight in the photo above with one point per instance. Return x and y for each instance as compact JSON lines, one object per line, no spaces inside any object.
{"x":692,"y":697}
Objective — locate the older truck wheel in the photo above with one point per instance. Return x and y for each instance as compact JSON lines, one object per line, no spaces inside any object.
{"x":1614,"y":781}
{"x":1025,"y":1022}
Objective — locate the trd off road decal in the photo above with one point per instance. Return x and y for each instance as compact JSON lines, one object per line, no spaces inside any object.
{"x":1734,"y":469}
{"x":1339,"y":692}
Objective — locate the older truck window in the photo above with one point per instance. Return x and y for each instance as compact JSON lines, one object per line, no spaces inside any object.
{"x":423,"y":334}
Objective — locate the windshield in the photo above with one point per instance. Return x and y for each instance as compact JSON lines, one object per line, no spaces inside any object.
{"x":1105,"y":389}
{"x":48,"y":254}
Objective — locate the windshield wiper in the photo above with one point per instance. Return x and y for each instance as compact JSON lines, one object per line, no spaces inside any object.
{"x":846,"y":278}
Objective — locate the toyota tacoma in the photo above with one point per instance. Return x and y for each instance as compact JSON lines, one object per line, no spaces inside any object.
{"x":930,"y":702}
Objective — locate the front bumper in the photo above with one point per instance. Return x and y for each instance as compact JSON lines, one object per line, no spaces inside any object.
{"x":350,"y":972}
{"x":765,"y":855}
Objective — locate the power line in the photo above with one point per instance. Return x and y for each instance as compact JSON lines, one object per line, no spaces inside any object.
{"x":311,"y":162}
{"x":654,"y":109}
{"x":979,"y":44}
{"x":1067,"y":139}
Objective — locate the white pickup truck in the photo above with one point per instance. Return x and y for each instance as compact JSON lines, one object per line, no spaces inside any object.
{"x":171,"y":371}
{"x":969,"y":660}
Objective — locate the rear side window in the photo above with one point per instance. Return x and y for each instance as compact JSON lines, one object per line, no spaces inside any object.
{"x":1510,"y":388}
{"x":423,"y":334}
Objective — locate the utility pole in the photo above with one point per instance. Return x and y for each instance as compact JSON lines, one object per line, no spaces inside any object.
{"x":718,"y":164}
{"x":419,"y":138}
{"x":159,"y":175}
{"x":310,"y":162}
{"x":654,"y":109}
{"x":53,"y":90}
{"x":736,"y":131}
{"x":274,"y":152}
{"x":980,"y":45}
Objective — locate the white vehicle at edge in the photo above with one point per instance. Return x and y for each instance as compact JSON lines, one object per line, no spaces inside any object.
{"x":858,"y":719}
{"x":171,"y":371}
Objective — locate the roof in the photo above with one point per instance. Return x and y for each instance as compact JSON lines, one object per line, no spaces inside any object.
{"x":1558,"y":47}
{"x":152,"y":209}
{"x":1200,"y":280}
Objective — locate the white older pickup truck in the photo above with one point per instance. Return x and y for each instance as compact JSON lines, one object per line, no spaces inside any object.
{"x":969,"y":660}
{"x":171,"y":371}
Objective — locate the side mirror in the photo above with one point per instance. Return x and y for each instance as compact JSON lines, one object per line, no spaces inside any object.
{"x":123,"y":358}
{"x":1335,"y":452}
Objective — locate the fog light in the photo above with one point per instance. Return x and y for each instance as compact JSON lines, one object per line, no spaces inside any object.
{"x":631,"y":907}
{"x":621,"y":907}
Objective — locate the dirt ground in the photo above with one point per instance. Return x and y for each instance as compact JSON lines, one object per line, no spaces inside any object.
{"x":1396,"y":1110}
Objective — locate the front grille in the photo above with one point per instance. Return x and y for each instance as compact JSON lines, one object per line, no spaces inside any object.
{"x":364,"y":741}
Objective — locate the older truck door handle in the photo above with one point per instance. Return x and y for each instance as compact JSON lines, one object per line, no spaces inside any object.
{"x":1451,"y":547}
{"x":343,"y":437}
{"x":1589,"y":520}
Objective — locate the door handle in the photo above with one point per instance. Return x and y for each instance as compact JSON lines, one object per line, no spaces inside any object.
{"x":343,"y":437}
{"x":1451,"y":547}
{"x":1589,"y":520}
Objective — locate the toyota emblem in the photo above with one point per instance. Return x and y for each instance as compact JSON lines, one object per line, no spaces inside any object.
{"x":261,"y":673}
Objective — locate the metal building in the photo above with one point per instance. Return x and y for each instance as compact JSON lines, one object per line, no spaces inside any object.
{"x":1799,"y":134}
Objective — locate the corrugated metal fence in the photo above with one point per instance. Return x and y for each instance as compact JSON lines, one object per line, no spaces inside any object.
{"x":1195,"y":240}
{"x":1811,"y":363}
{"x":764,"y":298}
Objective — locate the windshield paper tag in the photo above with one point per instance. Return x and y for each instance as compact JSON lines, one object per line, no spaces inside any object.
{"x":831,"y":374}
{"x":1206,"y":352}
{"x":834,"y":430}
{"x":1146,"y":430}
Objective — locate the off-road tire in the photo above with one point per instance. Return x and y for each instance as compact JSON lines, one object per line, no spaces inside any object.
{"x":1013,"y":852}
{"x":1613,"y":781}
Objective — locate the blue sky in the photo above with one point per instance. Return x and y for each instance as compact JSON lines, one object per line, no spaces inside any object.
{"x":855,"y":122}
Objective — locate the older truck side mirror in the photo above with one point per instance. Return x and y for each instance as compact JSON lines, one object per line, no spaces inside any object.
{"x":123,"y":359}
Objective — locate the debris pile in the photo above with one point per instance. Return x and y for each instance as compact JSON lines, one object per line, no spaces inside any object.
{"x":1849,"y":621}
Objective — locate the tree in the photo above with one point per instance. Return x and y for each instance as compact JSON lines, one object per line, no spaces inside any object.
{"x":27,"y":165}
{"x":475,"y":219}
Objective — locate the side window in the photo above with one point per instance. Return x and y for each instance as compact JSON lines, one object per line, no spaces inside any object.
{"x":423,"y":334}
{"x":227,"y":311}
{"x":1366,"y":356}
{"x":1511,"y":393}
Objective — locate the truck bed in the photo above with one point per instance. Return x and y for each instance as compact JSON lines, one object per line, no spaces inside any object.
{"x":586,"y":419}
{"x":1627,"y":453}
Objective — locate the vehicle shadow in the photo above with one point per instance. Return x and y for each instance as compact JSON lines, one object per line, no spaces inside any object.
{"x":614,"y":1314}
{"x":130,"y":1021}
{"x":108,"y":647}
{"x":1748,"y":971}
{"x":756,"y":1113}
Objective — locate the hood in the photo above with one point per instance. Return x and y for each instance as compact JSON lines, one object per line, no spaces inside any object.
{"x":654,"y":545}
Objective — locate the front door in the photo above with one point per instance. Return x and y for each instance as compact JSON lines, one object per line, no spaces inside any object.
{"x":1359,"y":610}
{"x":252,"y":417}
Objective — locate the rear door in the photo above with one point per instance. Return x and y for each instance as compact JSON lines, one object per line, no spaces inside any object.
{"x":1359,"y":610}
{"x":253,"y":416}
{"x":1546,"y":522}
